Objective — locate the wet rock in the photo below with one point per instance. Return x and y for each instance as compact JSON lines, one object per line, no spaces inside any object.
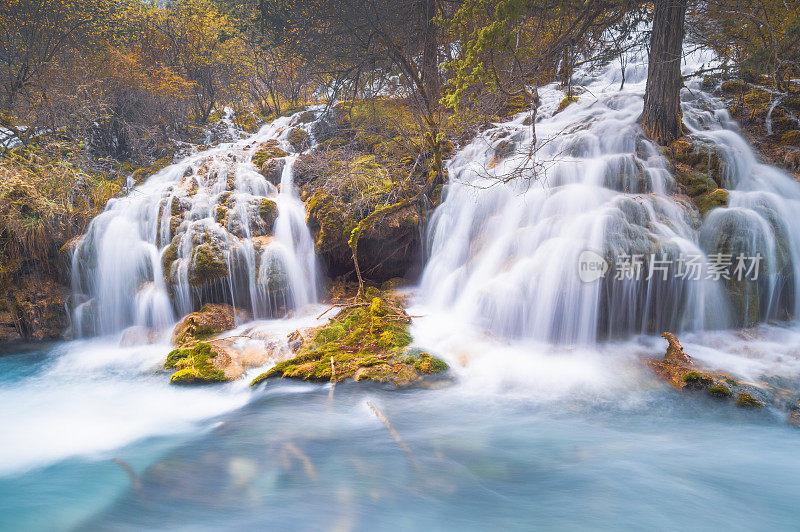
{"x":270,"y":150}
{"x":268,"y":210}
{"x":680,"y":371}
{"x":745,"y":400}
{"x":272,"y":169}
{"x":208,"y":263}
{"x":711,"y":200}
{"x":209,"y":321}
{"x":196,"y":365}
{"x":138,"y":335}
{"x":214,"y":361}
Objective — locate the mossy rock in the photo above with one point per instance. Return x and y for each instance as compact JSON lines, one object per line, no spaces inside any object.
{"x":270,"y":150}
{"x":268,"y":210}
{"x":568,"y":99}
{"x":697,"y":380}
{"x":719,"y":391}
{"x":169,"y":257}
{"x":272,"y":170}
{"x":367,"y":342}
{"x":209,"y":321}
{"x":208,"y":264}
{"x":195,"y":365}
{"x":745,"y":400}
{"x":711,"y":200}
{"x":299,"y":139}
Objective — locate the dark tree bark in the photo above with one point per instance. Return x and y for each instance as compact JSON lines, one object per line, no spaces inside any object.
{"x":430,"y":53}
{"x":661,"y":118}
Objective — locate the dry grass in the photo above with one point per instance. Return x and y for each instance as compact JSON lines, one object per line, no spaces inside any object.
{"x":44,"y":203}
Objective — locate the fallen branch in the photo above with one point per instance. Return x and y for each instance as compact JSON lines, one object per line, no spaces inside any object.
{"x":308,"y":466}
{"x":394,"y":434}
{"x":137,"y":484}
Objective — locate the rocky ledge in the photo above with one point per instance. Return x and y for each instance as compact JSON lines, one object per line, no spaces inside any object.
{"x":680,"y":371}
{"x":367,"y":341}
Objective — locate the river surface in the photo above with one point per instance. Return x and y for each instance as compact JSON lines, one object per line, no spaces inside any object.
{"x":524,"y":436}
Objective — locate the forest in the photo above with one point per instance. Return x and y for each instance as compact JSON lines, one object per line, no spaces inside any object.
{"x":399,"y":264}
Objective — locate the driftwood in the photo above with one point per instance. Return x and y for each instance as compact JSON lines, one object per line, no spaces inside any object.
{"x":137,"y":484}
{"x":403,"y":445}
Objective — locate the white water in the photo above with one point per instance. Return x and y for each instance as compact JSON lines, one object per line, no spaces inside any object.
{"x":504,"y":245}
{"x":118,"y":272}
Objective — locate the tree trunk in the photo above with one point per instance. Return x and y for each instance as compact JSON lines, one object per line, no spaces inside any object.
{"x":430,"y":55}
{"x":661,"y":118}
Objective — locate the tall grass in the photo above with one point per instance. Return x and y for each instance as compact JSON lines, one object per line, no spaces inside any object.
{"x":44,"y":203}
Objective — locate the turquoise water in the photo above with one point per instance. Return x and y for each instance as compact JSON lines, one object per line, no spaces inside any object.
{"x":594,"y":453}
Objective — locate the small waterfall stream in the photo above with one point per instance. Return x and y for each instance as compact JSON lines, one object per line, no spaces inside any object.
{"x":209,"y":228}
{"x":506,"y":243}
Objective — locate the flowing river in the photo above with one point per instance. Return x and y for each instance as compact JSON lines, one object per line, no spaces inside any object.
{"x":551,"y":420}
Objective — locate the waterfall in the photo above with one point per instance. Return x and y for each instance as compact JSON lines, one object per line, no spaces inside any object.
{"x":517,"y":221}
{"x":208,"y":228}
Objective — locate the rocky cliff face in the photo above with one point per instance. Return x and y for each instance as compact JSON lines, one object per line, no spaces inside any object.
{"x":34,"y":309}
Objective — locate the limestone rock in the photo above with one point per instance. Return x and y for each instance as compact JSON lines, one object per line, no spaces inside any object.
{"x":210,"y":320}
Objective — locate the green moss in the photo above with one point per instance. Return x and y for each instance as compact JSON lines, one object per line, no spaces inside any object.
{"x":169,"y":257}
{"x":745,"y":400}
{"x":268,"y":210}
{"x":719,"y":391}
{"x":692,"y":377}
{"x":367,"y":342}
{"x":194,"y":365}
{"x":568,"y":99}
{"x":711,"y":200}
{"x":270,"y":150}
{"x":426,"y":363}
{"x":208,"y":264}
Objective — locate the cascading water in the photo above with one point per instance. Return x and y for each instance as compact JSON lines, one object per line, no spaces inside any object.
{"x":507,"y":241}
{"x":209,"y":228}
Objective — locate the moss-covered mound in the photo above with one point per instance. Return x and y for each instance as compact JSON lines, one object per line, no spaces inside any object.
{"x":207,"y":322}
{"x":270,"y":150}
{"x":195,"y":365}
{"x":367,"y":341}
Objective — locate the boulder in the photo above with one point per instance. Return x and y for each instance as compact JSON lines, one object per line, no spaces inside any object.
{"x":272,"y":169}
{"x":209,"y":263}
{"x":209,"y":321}
{"x":270,"y":150}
